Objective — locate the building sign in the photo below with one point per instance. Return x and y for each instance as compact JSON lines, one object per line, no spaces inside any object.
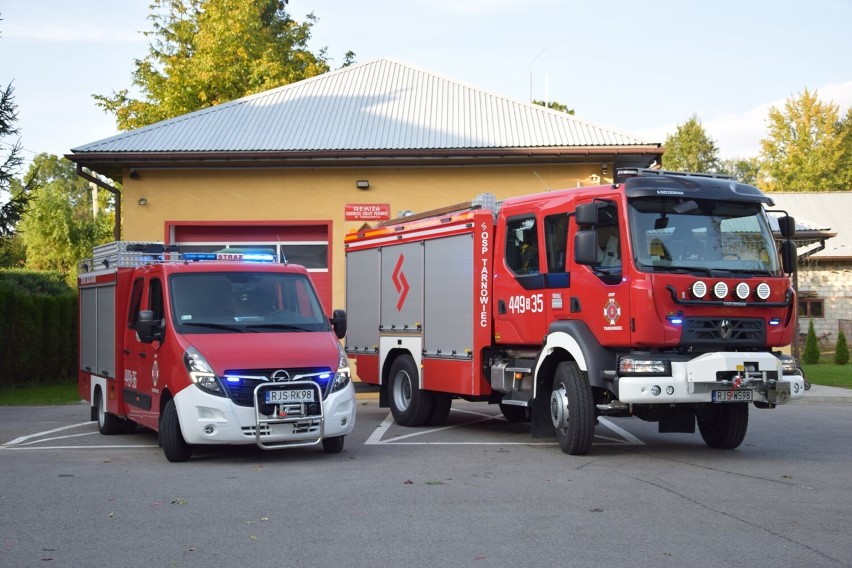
{"x":367,"y":211}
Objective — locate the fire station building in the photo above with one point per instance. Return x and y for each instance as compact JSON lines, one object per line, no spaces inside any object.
{"x":293,"y":169}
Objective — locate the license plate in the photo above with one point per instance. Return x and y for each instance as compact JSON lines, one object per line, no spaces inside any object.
{"x":732,"y":396}
{"x":290,"y":395}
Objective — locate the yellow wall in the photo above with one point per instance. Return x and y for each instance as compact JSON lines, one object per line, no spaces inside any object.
{"x":272,"y":194}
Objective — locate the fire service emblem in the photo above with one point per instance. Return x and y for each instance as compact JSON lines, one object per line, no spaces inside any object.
{"x":612,"y":311}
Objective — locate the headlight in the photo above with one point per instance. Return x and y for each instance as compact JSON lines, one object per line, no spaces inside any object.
{"x":341,"y":378}
{"x":635,"y":366}
{"x":201,"y":372}
{"x":789,"y":366}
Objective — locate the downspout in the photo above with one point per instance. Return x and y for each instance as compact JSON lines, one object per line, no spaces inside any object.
{"x":116,"y":231}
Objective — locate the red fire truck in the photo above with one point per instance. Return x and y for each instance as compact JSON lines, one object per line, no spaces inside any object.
{"x":662,"y":296}
{"x":211,"y":348}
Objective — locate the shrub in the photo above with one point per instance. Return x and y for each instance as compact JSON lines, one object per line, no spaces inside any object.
{"x":811,"y":354}
{"x":841,"y":351}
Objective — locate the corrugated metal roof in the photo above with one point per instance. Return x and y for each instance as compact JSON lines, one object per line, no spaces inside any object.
{"x":827,"y":211}
{"x":379,"y":105}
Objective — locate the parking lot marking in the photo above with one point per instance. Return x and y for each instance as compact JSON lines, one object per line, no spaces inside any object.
{"x":22,"y":439}
{"x":377,"y":437}
{"x":31,"y":441}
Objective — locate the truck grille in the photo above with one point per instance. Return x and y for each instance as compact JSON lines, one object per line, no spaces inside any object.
{"x":733,"y":332}
{"x":242,"y":382}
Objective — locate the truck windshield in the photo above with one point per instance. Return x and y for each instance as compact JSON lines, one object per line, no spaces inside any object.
{"x":228,"y":302}
{"x":676,"y":234}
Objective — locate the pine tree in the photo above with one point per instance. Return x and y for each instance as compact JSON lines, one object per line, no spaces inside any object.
{"x":811,"y":354}
{"x":841,"y":351}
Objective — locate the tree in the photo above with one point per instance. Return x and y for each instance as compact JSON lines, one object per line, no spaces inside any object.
{"x":206,"y":52}
{"x":745,"y":170}
{"x":804,"y":148}
{"x":554,"y":105}
{"x":811,"y":354}
{"x":690,"y":149}
{"x":841,"y":350}
{"x":60,"y":226}
{"x":845,"y":130}
{"x":14,"y":208}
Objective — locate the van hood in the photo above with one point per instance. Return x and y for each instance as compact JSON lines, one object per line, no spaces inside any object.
{"x":243,"y":351}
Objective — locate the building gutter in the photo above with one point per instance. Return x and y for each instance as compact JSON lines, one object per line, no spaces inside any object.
{"x":113,"y":190}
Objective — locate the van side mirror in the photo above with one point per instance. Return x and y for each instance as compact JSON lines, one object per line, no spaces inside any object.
{"x":147,"y":328}
{"x":338,"y":323}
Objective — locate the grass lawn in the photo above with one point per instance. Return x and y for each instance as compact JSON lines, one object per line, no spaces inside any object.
{"x":39,"y":395}
{"x":829,"y":374}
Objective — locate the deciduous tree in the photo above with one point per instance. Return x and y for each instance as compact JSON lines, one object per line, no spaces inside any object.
{"x":691,"y":149}
{"x":804,"y":148}
{"x":206,"y":52}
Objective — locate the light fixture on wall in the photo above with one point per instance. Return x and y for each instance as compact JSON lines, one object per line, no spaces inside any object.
{"x":362,"y":184}
{"x":134,"y":174}
{"x":604,"y":168}
{"x":142,"y":201}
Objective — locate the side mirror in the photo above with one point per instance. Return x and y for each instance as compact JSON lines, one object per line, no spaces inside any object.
{"x":338,"y":323}
{"x":586,"y":247}
{"x":148,"y":328}
{"x":788,"y":256}
{"x":587,"y":214}
{"x":787,"y":226}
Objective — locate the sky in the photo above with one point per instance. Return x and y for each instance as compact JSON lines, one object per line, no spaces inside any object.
{"x":640,"y":67}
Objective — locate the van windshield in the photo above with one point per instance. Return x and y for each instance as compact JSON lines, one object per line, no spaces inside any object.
{"x":228,"y":302}
{"x":701,"y":234}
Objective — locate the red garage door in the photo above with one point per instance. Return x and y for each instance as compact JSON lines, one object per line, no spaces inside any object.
{"x":297,"y":242}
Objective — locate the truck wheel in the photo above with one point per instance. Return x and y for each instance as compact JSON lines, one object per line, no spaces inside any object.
{"x":409,"y":404}
{"x":513,"y":413}
{"x":572,"y":410}
{"x":171,"y":438}
{"x":108,"y":423}
{"x":441,"y":404}
{"x":333,"y":445}
{"x":723,"y":426}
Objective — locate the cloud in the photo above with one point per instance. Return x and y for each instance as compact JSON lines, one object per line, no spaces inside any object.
{"x":738,"y":134}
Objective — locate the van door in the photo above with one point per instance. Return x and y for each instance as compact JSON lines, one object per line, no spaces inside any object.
{"x":141,"y":373}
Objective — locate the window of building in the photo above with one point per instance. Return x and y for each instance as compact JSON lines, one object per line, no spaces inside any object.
{"x":810,"y":308}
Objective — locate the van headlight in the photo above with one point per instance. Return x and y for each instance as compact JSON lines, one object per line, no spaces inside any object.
{"x":341,"y":378}
{"x":201,"y":372}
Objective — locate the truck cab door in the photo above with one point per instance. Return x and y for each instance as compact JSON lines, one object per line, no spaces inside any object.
{"x":141,"y":368}
{"x":600,"y":291}
{"x":519,"y":283}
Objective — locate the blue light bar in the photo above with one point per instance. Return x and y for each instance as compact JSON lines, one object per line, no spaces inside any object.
{"x":199,"y":256}
{"x":775,"y":321}
{"x":676,"y":319}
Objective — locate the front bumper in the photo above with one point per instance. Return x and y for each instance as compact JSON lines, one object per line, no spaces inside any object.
{"x":694,"y":381}
{"x":208,"y":419}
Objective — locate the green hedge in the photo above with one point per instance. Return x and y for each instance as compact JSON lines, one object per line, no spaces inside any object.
{"x":38,"y":329}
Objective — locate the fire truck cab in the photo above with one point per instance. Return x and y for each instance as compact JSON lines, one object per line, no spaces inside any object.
{"x":210,"y":348}
{"x":661,"y":296}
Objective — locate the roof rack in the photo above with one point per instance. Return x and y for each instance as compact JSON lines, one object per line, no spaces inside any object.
{"x":624,"y":173}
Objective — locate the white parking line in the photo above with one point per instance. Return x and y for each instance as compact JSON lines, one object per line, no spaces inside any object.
{"x":377,"y":437}
{"x":29,"y":442}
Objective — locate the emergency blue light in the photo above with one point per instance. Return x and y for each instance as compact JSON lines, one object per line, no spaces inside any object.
{"x":258,"y":257}
{"x":676,"y":319}
{"x":199,"y":256}
{"x":775,"y":321}
{"x":233,"y":379}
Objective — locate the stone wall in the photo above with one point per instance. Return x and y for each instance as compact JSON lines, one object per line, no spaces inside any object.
{"x":831,"y":283}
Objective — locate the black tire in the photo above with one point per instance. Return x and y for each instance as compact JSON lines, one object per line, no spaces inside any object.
{"x":409,"y":404}
{"x":513,"y":412}
{"x":723,"y":426}
{"x":108,"y":423}
{"x":171,"y":438}
{"x":572,"y":409}
{"x":441,"y":404}
{"x":333,"y":445}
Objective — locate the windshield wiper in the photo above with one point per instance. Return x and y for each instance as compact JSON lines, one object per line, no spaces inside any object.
{"x":226,"y":327}
{"x":281,"y":326}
